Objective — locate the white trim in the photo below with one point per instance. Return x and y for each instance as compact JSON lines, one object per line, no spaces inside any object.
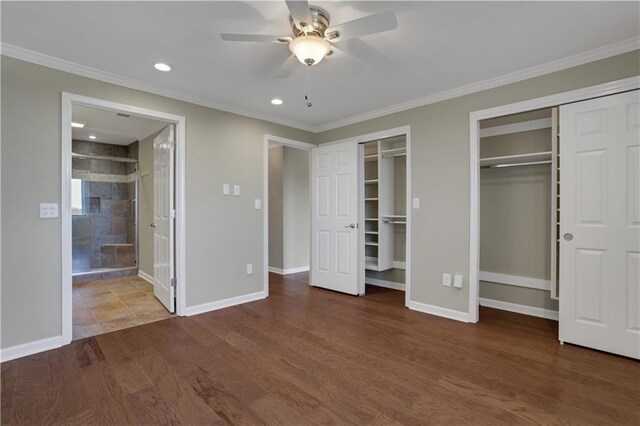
{"x":67,"y":102}
{"x":475,"y":117}
{"x":96,"y":74}
{"x":385,"y":283}
{"x":26,"y":349}
{"x":438,"y":311}
{"x":524,"y":126}
{"x":146,"y":277}
{"x":520,"y":309}
{"x":536,"y":71}
{"x":226,"y":303}
{"x":265,"y":197}
{"x":288,"y":271}
{"x":399,"y":265}
{"x":515,"y":280}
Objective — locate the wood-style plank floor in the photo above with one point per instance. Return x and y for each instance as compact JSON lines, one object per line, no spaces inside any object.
{"x":308,"y":356}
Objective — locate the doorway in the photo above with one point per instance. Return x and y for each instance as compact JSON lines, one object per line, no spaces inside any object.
{"x":287,"y":209}
{"x":122,"y":215}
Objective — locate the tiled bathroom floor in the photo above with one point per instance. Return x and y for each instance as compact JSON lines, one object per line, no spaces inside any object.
{"x":103,"y":306}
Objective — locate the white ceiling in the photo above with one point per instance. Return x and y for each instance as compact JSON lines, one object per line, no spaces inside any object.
{"x":109,"y":127}
{"x":438,"y":46}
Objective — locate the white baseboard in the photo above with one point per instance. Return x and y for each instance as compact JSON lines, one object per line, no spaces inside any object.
{"x":521,"y":309}
{"x":385,"y":283}
{"x":437,"y":310}
{"x":146,"y":276}
{"x":516,"y":280}
{"x":30,"y":348}
{"x":220,"y":304}
{"x":288,"y":271}
{"x":399,"y":265}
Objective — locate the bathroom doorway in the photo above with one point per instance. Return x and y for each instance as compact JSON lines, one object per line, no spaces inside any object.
{"x":123,"y":266}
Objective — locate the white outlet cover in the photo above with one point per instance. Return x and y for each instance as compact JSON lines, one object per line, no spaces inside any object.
{"x":48,"y":210}
{"x":225,"y":189}
{"x":258,"y":203}
{"x":446,"y":280}
{"x":416,"y":203}
{"x":457,"y":281}
{"x":236,"y":190}
{"x":249,"y":269}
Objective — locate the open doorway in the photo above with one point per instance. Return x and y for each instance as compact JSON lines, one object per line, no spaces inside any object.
{"x":119,"y":248}
{"x":288,"y":208}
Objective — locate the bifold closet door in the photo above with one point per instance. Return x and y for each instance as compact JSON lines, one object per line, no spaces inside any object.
{"x":334,"y":220}
{"x":600,"y":224}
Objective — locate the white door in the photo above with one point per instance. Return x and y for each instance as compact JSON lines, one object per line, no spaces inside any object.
{"x":334,"y":222}
{"x":163,"y":217}
{"x":600,"y":224}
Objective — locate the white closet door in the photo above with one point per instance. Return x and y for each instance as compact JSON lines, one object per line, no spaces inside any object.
{"x":334,"y":206}
{"x":600,"y":224}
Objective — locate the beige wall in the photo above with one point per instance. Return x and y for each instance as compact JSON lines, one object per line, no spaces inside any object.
{"x":145,"y":204}
{"x":440,"y":169}
{"x":276,"y":233}
{"x":223,"y":233}
{"x":296,"y":209}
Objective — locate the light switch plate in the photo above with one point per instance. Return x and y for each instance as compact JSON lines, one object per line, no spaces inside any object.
{"x":236,"y":190}
{"x":416,"y":203}
{"x":446,"y":279}
{"x":249,"y":269}
{"x":48,"y":210}
{"x":457,"y":281}
{"x":225,"y":189}
{"x":258,"y":203}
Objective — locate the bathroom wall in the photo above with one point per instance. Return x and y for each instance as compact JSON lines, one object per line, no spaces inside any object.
{"x":103,"y":236}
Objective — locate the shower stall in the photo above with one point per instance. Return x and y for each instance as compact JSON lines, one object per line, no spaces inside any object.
{"x":104,"y":214}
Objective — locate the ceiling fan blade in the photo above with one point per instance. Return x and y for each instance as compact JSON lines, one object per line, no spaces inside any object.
{"x":262,"y":38}
{"x":288,"y":67}
{"x":300,"y":13}
{"x":377,"y":23}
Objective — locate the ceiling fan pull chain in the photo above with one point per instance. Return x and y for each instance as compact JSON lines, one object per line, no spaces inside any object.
{"x":308,"y":95}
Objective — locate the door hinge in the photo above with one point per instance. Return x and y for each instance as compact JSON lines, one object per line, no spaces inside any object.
{"x":173,"y":282}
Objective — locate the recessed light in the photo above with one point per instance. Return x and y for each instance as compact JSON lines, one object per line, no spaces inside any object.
{"x":92,"y":136}
{"x":162,"y":67}
{"x":78,"y":125}
{"x":277,"y":101}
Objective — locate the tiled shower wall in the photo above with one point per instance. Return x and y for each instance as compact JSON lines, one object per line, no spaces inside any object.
{"x":104,"y":236}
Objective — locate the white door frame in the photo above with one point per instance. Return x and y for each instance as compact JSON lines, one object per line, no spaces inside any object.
{"x":68,"y":101}
{"x":475,"y":117}
{"x":383,"y":134}
{"x":265,"y":196}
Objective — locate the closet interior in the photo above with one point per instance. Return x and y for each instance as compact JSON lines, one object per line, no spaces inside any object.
{"x":383,"y":203}
{"x":519,"y":212}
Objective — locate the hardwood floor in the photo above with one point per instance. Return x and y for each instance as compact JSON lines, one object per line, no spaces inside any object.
{"x":307,"y":356}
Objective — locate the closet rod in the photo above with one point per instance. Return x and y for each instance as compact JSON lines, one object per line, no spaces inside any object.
{"x":530,"y":163}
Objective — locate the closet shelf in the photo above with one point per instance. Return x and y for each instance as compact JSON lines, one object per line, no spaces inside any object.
{"x":394,"y":152}
{"x":371,"y":243}
{"x":370,"y":181}
{"x":507,"y":160}
{"x":395,"y":216}
{"x":371,"y":218}
{"x":371,"y":199}
{"x":371,"y":232}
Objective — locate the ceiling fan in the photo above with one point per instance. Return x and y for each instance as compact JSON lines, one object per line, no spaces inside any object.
{"x":313,"y":38}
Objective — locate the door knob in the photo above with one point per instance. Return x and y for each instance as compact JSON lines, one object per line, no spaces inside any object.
{"x":153,"y":225}
{"x":568,"y":237}
{"x":352,"y":226}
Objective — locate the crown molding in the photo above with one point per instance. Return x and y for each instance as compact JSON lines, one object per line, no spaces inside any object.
{"x":618,"y":48}
{"x":96,"y":74}
{"x":514,"y":77}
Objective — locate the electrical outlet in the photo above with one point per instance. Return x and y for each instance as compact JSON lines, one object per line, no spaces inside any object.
{"x":457,"y":281}
{"x":249,"y":269}
{"x":416,"y":203}
{"x":236,"y":190}
{"x":446,"y":280}
{"x":225,"y":189}
{"x":48,"y":210}
{"x":258,"y":203}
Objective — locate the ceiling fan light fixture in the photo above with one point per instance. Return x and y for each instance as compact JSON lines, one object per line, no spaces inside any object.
{"x":309,"y":49}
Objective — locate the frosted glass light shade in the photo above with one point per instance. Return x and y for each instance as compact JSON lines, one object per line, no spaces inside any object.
{"x":309,"y":49}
